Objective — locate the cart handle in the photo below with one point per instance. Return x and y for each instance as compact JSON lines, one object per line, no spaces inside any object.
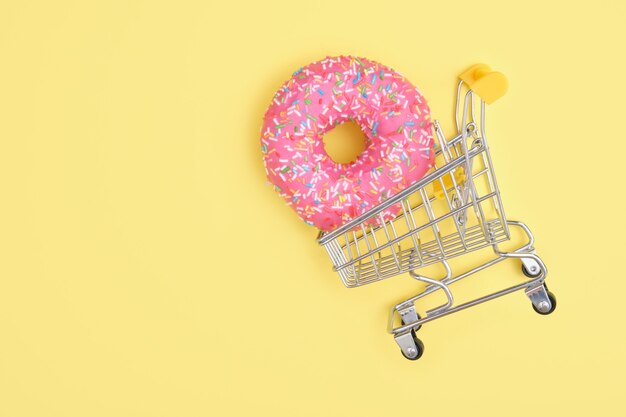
{"x":489,"y":85}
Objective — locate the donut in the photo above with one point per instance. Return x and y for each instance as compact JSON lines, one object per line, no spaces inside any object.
{"x":391,"y":112}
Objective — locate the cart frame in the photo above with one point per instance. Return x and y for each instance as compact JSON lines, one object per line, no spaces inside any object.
{"x":460,"y":191}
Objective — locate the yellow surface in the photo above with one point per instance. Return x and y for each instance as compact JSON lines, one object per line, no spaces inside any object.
{"x":146,"y":269}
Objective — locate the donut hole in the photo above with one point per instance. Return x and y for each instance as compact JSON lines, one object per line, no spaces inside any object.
{"x":345,"y":142}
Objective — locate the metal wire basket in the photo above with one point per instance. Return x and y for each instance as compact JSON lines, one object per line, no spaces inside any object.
{"x":454,"y":210}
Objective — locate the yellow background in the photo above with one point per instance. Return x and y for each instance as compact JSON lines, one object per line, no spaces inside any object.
{"x":146,"y":269}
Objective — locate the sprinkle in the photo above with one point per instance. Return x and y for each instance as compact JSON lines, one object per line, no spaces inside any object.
{"x":329,"y":194}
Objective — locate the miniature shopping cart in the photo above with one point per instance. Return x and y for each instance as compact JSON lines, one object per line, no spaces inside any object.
{"x":453,"y":211}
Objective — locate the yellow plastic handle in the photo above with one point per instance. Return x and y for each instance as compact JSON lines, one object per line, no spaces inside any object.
{"x":489,"y":85}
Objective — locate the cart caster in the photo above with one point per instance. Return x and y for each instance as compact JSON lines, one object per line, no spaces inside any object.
{"x":533,"y":270}
{"x":547,"y":310}
{"x":410,"y":346}
{"x":543,"y":301}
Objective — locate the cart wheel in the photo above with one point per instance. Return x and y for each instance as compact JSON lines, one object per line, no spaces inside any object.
{"x":528,"y":274}
{"x":418,"y":344}
{"x":415,"y":328}
{"x":552,"y":302}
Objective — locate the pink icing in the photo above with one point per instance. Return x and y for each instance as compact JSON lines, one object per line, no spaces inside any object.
{"x":392,"y":113}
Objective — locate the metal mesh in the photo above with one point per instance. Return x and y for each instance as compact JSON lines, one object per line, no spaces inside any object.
{"x":453,"y":210}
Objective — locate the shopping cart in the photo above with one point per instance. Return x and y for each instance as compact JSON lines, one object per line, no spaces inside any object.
{"x":454,"y":210}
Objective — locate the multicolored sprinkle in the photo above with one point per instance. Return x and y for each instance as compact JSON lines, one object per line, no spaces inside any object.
{"x":391,"y":112}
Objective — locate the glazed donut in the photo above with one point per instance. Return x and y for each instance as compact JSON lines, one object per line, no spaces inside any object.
{"x":391,"y":112}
